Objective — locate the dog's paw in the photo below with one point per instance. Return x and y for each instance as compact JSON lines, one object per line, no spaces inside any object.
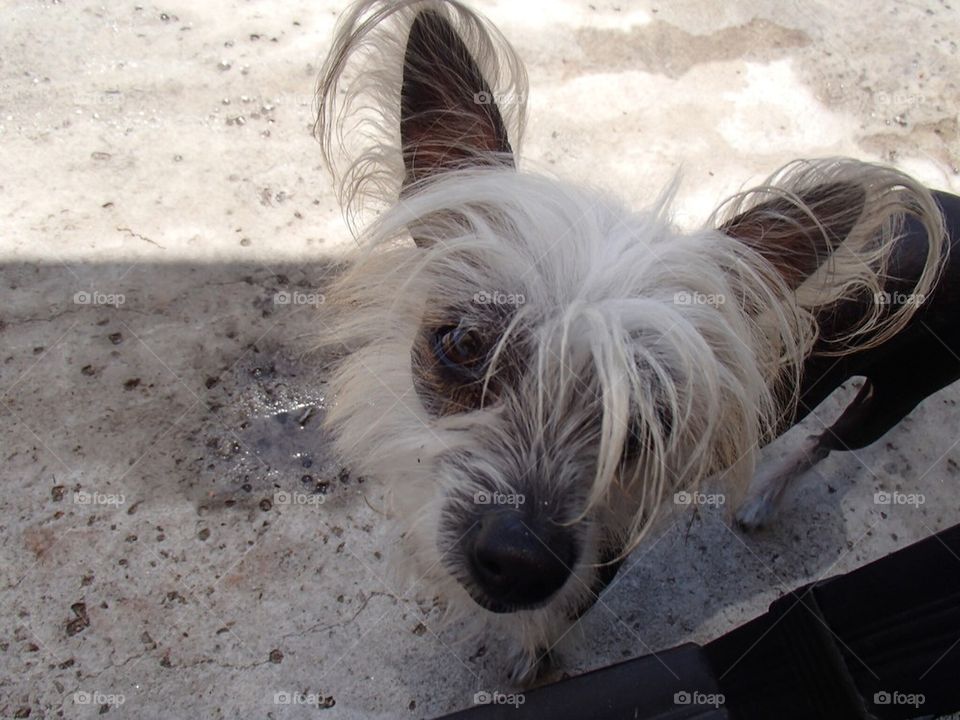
{"x":525,"y":669}
{"x":756,"y":513}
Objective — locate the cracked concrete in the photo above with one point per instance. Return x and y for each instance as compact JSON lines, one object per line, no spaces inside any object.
{"x":176,"y":539}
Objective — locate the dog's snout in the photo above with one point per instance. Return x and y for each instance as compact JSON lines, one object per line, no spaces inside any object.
{"x":519,"y":562}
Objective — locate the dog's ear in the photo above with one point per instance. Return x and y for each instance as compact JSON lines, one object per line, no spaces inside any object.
{"x":797,"y":231}
{"x":449,"y":118}
{"x":407,"y":92}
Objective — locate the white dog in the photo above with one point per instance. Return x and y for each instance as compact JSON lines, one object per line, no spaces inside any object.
{"x":533,"y":368}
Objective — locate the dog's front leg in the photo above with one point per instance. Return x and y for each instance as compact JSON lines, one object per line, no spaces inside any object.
{"x":772,"y":480}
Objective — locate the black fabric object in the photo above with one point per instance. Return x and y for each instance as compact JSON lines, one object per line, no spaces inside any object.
{"x":674,"y":685}
{"x":855,"y":645}
{"x":878,"y":643}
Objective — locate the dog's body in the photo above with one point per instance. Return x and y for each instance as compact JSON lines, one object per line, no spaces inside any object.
{"x":540,"y":367}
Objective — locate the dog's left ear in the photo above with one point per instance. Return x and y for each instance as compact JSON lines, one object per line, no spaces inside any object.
{"x":449,"y":117}
{"x":797,"y":231}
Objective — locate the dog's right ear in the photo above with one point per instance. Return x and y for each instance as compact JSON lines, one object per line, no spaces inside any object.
{"x":421,"y":77}
{"x":830,"y":231}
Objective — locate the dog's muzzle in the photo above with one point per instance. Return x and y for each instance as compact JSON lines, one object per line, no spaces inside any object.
{"x":516,"y":561}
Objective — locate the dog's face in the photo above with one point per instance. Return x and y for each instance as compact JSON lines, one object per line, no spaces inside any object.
{"x":533,"y":368}
{"x":530,"y":383}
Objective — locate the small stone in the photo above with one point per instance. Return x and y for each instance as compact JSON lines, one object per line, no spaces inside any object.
{"x":81,"y":622}
{"x":276,"y":656}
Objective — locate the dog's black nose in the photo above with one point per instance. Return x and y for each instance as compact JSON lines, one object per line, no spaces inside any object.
{"x":517,"y":561}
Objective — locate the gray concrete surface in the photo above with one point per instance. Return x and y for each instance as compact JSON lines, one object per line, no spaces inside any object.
{"x":148,"y":549}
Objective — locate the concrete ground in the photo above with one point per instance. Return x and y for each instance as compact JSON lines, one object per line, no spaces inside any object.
{"x":160,"y":197}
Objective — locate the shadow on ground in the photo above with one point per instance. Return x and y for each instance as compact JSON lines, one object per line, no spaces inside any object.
{"x":177,"y":535}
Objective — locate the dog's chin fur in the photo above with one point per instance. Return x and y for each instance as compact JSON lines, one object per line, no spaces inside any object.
{"x":521,"y":640}
{"x":621,"y":329}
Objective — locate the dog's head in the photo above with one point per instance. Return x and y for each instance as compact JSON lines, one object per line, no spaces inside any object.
{"x":533,"y":368}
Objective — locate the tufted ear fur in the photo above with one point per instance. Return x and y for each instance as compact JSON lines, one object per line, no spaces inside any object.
{"x":797,"y":235}
{"x":829,"y":229}
{"x":410,"y":90}
{"x":449,"y":117}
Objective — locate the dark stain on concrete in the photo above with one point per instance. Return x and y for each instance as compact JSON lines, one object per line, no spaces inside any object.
{"x":666,"y":49}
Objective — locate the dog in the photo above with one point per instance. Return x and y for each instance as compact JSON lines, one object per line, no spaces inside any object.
{"x":531,"y":368}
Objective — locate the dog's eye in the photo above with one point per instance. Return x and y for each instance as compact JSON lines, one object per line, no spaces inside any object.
{"x":461,"y":348}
